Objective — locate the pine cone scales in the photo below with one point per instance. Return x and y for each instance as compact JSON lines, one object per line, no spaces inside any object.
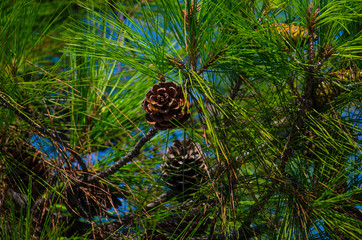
{"x":348,"y":75}
{"x":295,"y":32}
{"x":325,"y":92}
{"x":166,"y":106}
{"x":183,"y":167}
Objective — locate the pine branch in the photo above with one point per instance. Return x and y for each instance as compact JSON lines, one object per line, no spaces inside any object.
{"x":128,"y":219}
{"x":8,"y":104}
{"x":327,"y":54}
{"x":310,"y":82}
{"x":176,"y":63}
{"x":298,"y":62}
{"x":307,"y":101}
{"x":132,"y":154}
{"x":213,"y":58}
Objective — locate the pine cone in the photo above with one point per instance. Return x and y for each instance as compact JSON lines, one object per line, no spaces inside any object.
{"x":184,"y":167}
{"x":166,"y":106}
{"x":348,"y":75}
{"x":294,"y":32}
{"x":325,"y":92}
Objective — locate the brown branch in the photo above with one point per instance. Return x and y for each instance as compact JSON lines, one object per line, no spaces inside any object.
{"x":161,"y":199}
{"x":310,"y":83}
{"x":128,"y":219}
{"x":72,"y":190}
{"x":311,"y":22}
{"x":176,"y":63}
{"x":132,"y":154}
{"x":307,"y":101}
{"x":190,"y":24}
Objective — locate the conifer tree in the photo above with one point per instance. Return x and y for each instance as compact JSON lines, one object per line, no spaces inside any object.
{"x":181,"y":119}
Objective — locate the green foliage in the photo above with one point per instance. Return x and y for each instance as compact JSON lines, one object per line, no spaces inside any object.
{"x":17,"y":223}
{"x":274,"y":90}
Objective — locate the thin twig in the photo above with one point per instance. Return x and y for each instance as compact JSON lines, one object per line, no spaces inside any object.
{"x":211,"y":60}
{"x":176,"y":63}
{"x":164,"y":197}
{"x":299,"y":63}
{"x":160,"y":200}
{"x":326,"y":56}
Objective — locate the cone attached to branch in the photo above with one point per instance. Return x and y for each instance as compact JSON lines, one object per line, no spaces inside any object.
{"x":184,"y":166}
{"x":348,"y":75}
{"x":325,"y":92}
{"x":294,"y":32}
{"x":166,"y":106}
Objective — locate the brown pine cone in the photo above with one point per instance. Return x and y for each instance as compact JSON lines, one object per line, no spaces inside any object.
{"x":184,"y":167}
{"x":166,"y":106}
